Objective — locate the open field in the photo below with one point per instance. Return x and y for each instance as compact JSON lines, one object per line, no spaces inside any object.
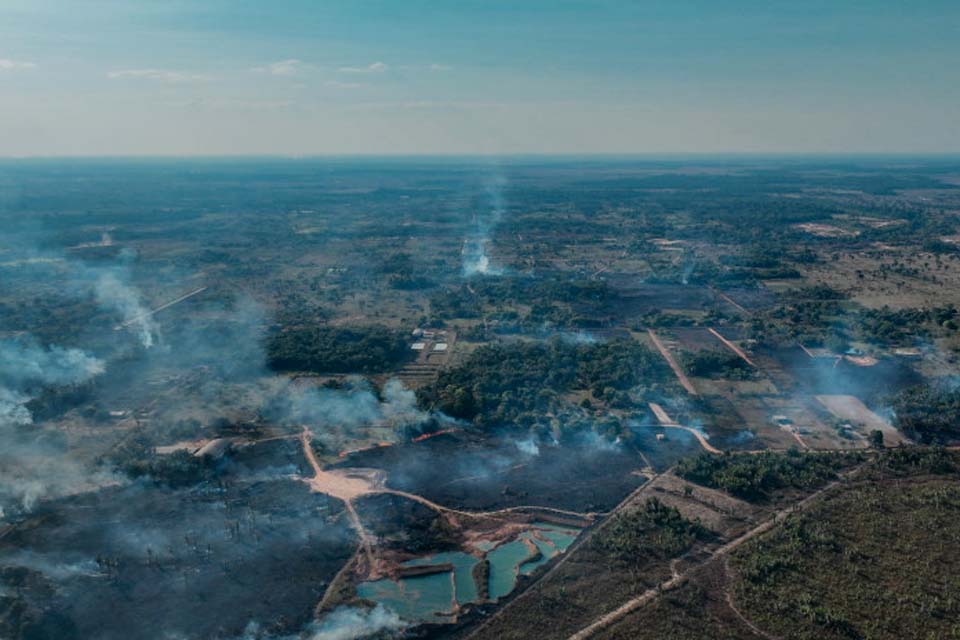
{"x":828,"y":572}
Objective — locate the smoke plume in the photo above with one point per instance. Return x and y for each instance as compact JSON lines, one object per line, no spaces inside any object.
{"x":115,"y":295}
{"x":26,"y":472}
{"x":350,"y":624}
{"x":344,"y":623}
{"x":476,"y":258}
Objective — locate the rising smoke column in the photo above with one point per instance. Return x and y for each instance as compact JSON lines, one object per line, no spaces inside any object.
{"x":33,"y":466}
{"x":113,"y":293}
{"x":334,"y":413}
{"x":476,"y":258}
{"x":343,"y":623}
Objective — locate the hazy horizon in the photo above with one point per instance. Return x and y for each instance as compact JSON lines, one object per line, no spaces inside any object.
{"x":218,"y":78}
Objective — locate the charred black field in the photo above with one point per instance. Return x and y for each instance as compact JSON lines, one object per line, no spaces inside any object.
{"x":287,"y":399}
{"x":465,"y":472}
{"x":202,"y":561}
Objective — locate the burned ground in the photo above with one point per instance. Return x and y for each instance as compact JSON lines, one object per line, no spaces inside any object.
{"x":200,"y":563}
{"x":467,"y":472}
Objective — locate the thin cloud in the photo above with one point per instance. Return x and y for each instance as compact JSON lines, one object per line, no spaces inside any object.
{"x":230,"y":104}
{"x":440,"y":67}
{"x":375,"y":67}
{"x":343,"y":85}
{"x":282,"y":68}
{"x":15,"y":65}
{"x":160,"y":75}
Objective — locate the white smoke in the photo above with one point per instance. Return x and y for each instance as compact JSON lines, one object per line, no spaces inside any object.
{"x":52,"y":567}
{"x":333,"y":413}
{"x":577,"y":337}
{"x":689,"y":264}
{"x":343,"y":623}
{"x":13,"y":410}
{"x":25,"y":366}
{"x":594,"y":440}
{"x":475,"y":255}
{"x":23,"y":362}
{"x":114,"y":294}
{"x":475,"y":258}
{"x":348,"y":623}
{"x":528,"y":447}
{"x":26,"y":470}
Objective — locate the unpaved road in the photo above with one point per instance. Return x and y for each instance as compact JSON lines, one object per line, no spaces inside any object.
{"x":677,"y":371}
{"x":632,"y":605}
{"x":737,"y":350}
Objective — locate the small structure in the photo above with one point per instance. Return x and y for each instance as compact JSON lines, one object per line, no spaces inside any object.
{"x":418,"y":346}
{"x":440,"y":346}
{"x":907,"y":352}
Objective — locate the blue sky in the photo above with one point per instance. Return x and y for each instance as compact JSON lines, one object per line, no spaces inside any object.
{"x":111,"y":77}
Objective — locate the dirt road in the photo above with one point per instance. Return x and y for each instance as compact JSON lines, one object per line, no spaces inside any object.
{"x":669,"y":423}
{"x":737,"y":350}
{"x":632,"y":605}
{"x":677,"y":371}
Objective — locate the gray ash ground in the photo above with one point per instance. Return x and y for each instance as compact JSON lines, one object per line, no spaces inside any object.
{"x":146,"y":562}
{"x":469,"y":472}
{"x":828,"y":375}
{"x":401,"y":523}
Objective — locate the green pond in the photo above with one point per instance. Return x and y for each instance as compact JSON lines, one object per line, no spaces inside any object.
{"x":557,"y":540}
{"x":432,"y":598}
{"x":415,"y":599}
{"x":504,"y":562}
{"x":463,"y":564}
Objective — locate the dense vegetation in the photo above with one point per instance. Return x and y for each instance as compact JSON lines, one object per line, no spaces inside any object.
{"x":929,"y":413}
{"x":652,"y":530}
{"x":136,"y":458}
{"x":551,"y":300}
{"x":833,"y":572}
{"x":907,"y":461}
{"x":326,"y":349}
{"x":521,"y":383}
{"x":755,"y":477}
{"x":713,"y":363}
{"x":904,"y":326}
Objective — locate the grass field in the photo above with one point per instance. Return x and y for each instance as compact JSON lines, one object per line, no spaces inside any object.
{"x":874,"y":559}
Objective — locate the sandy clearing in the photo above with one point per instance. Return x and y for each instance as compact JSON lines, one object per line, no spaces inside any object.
{"x":852,"y":408}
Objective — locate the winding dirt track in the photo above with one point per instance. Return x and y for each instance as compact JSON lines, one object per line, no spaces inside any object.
{"x":344,"y":488}
{"x":347,"y":488}
{"x":728,"y":594}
